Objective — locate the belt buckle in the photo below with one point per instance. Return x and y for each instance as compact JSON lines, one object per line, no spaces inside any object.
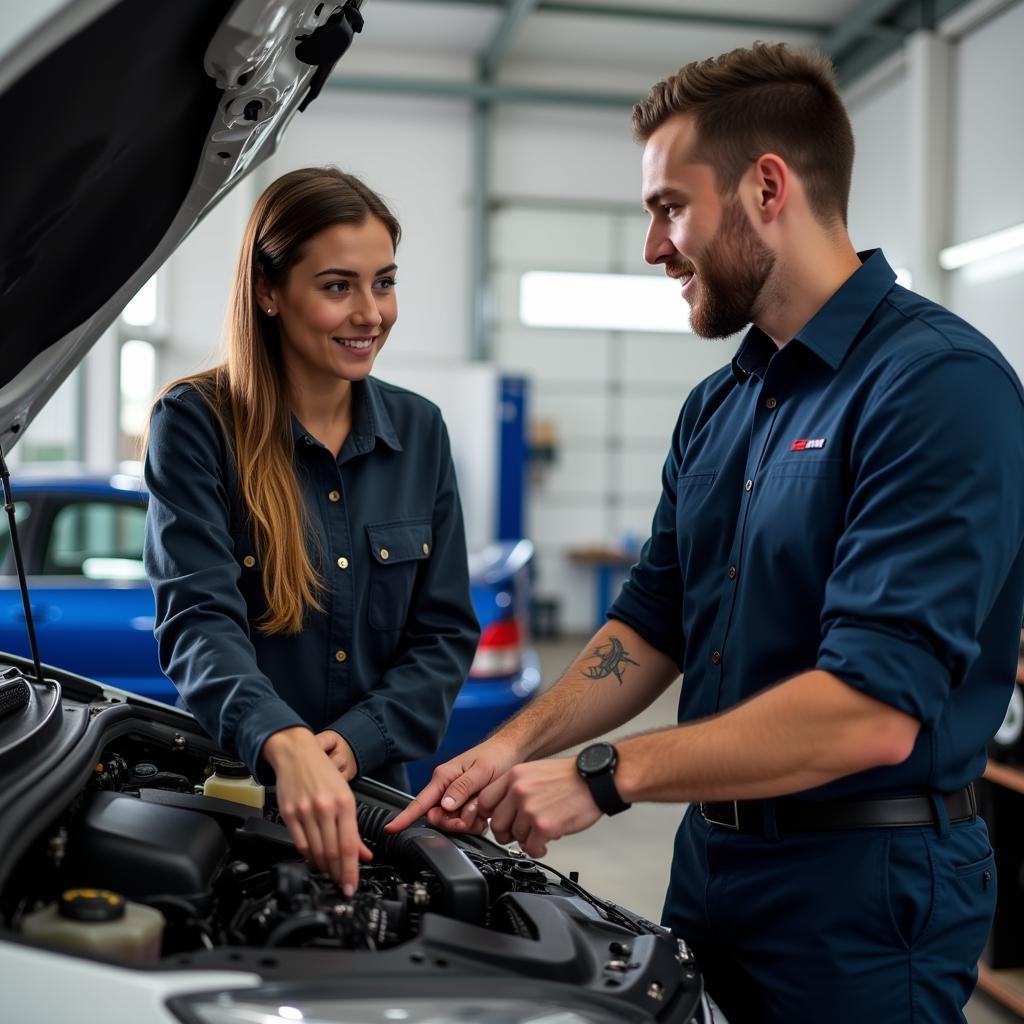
{"x":734,"y":824}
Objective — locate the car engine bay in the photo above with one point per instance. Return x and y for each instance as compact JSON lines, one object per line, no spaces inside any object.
{"x":233,"y":894}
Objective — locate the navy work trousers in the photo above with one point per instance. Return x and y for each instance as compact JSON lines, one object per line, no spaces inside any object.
{"x":878,"y":925}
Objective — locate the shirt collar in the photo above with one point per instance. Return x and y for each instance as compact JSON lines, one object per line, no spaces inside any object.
{"x":834,"y":328}
{"x":370,"y":420}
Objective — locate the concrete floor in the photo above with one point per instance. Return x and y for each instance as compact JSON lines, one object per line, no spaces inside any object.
{"x":626,"y":859}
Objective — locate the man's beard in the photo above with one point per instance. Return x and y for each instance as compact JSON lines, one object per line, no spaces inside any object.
{"x":733,"y":270}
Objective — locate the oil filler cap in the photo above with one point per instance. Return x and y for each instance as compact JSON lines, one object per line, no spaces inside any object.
{"x":91,"y":905}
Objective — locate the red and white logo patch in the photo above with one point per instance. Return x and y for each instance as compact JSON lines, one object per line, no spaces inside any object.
{"x":805,"y":444}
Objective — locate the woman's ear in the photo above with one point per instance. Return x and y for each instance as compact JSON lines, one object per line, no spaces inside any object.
{"x":266,"y":297}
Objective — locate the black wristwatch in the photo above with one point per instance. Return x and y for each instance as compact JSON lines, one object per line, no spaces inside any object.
{"x":596,"y":765}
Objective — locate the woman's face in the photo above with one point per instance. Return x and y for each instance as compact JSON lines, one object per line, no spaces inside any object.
{"x":338,"y":304}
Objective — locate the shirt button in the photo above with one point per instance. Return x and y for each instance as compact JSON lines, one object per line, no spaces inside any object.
{"x":343,"y":562}
{"x":716,"y":657}
{"x":749,"y":485}
{"x":340,"y":655}
{"x":770,"y":404}
{"x":248,"y":561}
{"x":334,"y":495}
{"x":426,"y":549}
{"x":385,"y":554}
{"x":732,"y":572}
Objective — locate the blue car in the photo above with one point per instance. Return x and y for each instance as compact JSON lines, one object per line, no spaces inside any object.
{"x":81,"y":539}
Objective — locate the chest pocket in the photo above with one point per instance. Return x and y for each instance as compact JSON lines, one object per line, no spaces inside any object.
{"x":702,"y":520}
{"x":800,"y":515}
{"x":397,"y":549}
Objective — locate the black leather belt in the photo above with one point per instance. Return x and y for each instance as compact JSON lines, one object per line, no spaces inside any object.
{"x":832,"y":815}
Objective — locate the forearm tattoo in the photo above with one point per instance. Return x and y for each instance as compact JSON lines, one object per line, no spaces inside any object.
{"x":612,"y":660}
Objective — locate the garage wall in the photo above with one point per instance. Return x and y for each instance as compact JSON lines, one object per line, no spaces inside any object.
{"x":879,"y":205}
{"x":611,"y":398}
{"x":988,"y":152}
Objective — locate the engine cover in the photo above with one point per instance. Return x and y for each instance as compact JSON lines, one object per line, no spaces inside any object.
{"x":142,"y":849}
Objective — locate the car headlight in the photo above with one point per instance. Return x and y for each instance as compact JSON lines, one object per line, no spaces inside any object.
{"x":303,"y":1003}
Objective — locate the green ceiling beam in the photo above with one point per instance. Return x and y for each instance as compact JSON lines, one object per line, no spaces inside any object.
{"x":516,"y":13}
{"x":666,"y":15}
{"x":753,"y":22}
{"x":859,"y":25}
{"x":482,"y":91}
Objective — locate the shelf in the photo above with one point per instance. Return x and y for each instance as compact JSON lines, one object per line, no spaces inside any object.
{"x":1005,"y":986}
{"x":1005,"y":775}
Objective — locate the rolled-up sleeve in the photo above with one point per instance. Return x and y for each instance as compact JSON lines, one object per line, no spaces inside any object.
{"x":405,"y":715}
{"x":201,"y":625}
{"x":651,"y":600}
{"x":934,"y":522}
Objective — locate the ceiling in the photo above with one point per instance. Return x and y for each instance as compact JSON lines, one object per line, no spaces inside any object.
{"x":615,"y":44}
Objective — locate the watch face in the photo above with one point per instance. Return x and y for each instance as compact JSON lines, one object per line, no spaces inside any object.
{"x":597,"y":758}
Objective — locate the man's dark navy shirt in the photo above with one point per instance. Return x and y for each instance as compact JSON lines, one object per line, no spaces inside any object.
{"x":384,"y":660}
{"x":852,"y":502}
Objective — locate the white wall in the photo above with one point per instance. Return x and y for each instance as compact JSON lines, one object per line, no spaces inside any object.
{"x":988,"y":153}
{"x":611,"y":398}
{"x":196,"y":281}
{"x":879,"y":197}
{"x":415,"y":153}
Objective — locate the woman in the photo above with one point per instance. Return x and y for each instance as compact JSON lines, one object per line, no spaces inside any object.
{"x":304,"y":537}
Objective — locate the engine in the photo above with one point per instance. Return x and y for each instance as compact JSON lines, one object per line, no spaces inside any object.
{"x":232,"y":892}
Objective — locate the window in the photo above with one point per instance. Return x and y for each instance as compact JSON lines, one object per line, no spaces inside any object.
{"x":141,"y":311}
{"x":138,"y":385}
{"x":140,"y":331}
{"x":100,"y":540}
{"x":602,"y":302}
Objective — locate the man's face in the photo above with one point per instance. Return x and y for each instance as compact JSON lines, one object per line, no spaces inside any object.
{"x":703,"y":240}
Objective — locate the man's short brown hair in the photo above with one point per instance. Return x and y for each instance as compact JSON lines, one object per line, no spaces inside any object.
{"x":765,"y":99}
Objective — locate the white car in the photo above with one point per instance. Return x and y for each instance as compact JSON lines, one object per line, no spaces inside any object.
{"x":134,"y":886}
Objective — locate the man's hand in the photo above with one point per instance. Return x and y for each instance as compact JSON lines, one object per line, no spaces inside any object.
{"x":537,"y":802}
{"x":336,"y":747}
{"x":447,"y":799}
{"x":317,"y":805}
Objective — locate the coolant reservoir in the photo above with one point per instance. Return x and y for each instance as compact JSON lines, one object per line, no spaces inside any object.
{"x":231,"y":781}
{"x":99,"y":922}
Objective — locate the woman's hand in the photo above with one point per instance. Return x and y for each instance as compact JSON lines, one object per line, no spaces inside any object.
{"x":336,"y":747}
{"x":317,"y":805}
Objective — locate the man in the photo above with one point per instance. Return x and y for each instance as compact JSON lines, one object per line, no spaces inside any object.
{"x":835,"y":565}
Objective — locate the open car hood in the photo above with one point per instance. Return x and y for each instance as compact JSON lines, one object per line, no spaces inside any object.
{"x":124,"y":123}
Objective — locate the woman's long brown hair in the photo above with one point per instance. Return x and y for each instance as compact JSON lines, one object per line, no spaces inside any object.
{"x":248,"y":390}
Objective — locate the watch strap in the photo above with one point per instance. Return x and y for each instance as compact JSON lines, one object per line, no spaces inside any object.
{"x":606,"y":796}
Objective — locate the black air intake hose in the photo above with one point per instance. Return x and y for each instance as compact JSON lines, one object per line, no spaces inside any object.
{"x":370,"y":820}
{"x":464,"y":894}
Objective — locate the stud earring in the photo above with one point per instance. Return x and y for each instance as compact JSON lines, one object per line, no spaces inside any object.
{"x":270,"y":310}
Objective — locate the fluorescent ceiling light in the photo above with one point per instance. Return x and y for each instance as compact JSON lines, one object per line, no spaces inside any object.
{"x":1006,"y":264}
{"x":602,"y":302}
{"x":955,"y":256}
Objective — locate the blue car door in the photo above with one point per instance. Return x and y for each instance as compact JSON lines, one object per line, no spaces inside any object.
{"x":91,"y":602}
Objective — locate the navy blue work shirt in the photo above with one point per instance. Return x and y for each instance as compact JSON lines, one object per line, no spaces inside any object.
{"x":383,"y":662}
{"x":852,"y":502}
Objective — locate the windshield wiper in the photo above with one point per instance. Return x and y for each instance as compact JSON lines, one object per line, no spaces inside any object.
{"x":16,"y":547}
